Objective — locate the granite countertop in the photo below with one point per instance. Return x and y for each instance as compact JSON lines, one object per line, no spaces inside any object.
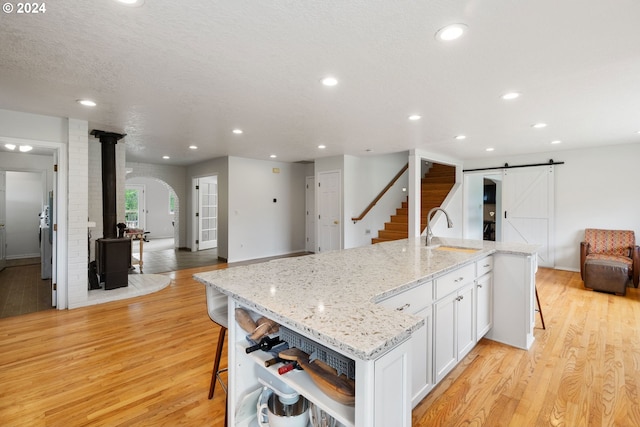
{"x":331,"y":296}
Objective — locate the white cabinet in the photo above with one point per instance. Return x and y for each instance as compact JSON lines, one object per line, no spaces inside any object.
{"x":513,"y":300}
{"x":484,"y":300}
{"x":392,"y":393}
{"x":418,"y":301}
{"x":422,"y":358}
{"x":454,"y":333}
{"x":466,"y":321}
{"x":445,"y":336}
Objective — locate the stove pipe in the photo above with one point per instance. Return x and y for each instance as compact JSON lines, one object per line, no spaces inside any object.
{"x":108,"y":141}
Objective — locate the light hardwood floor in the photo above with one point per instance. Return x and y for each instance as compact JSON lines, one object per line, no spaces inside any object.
{"x":147,"y":362}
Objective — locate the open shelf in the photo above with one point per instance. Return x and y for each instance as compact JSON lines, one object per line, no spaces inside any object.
{"x":303,"y":384}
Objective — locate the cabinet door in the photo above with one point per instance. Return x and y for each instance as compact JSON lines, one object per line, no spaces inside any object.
{"x":465,"y":321}
{"x":422,"y":358}
{"x":445,"y":335}
{"x":392,"y":400}
{"x":484,"y":304}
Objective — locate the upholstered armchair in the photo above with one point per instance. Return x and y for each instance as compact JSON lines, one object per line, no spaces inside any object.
{"x":608,"y":259}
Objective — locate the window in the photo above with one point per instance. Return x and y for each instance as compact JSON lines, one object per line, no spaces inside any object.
{"x":172,"y":202}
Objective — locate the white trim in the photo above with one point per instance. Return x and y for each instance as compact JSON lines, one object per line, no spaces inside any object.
{"x":60,"y":155}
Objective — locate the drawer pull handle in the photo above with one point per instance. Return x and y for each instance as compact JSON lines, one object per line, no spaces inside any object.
{"x":459,"y":279}
{"x":407,"y":305}
{"x":487,"y":265}
{"x":479,"y":285}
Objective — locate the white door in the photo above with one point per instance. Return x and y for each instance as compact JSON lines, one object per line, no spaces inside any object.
{"x":310,"y":218}
{"x":208,"y":212}
{"x":329,"y":226}
{"x":3,"y":217}
{"x":528,"y":209}
{"x":135,"y":206}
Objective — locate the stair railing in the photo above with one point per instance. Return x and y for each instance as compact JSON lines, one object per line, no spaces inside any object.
{"x":382,"y":193}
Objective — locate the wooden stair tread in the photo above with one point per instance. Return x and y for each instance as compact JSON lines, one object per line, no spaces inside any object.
{"x":435,"y":186}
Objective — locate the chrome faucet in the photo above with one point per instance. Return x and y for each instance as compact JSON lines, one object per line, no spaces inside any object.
{"x":429,"y":232}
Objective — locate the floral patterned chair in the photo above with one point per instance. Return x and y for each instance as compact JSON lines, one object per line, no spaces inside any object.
{"x":609,"y":259}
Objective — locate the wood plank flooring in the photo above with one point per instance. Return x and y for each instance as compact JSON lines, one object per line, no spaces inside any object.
{"x":583,"y":370}
{"x":147,"y":362}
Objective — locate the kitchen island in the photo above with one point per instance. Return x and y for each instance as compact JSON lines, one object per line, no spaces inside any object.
{"x":347,"y":301}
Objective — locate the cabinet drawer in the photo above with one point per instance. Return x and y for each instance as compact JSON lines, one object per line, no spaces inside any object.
{"x":454,"y":280}
{"x":411,"y":301}
{"x":484,"y":266}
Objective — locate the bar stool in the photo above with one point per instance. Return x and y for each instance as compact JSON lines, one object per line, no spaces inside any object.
{"x":539,"y":309}
{"x":217,"y":309}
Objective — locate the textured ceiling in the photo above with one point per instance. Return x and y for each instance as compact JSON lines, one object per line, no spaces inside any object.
{"x":170,"y":74}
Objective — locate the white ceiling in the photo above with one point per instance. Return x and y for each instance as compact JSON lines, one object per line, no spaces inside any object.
{"x":174,"y":73}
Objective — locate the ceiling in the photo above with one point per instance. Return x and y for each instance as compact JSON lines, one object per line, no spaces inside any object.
{"x":173,"y":74}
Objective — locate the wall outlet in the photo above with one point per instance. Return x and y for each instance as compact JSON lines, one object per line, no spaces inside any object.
{"x":367,"y":231}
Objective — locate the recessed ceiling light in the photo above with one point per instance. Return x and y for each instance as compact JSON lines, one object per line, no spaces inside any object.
{"x":86,"y":102}
{"x":415,"y":117}
{"x":322,"y":147}
{"x":133,"y":3}
{"x":460,"y":137}
{"x":490,"y":149}
{"x":273,"y":156}
{"x":10,"y":146}
{"x":166,"y":157}
{"x":557,"y":141}
{"x":193,"y":147}
{"x":237,"y":131}
{"x":539,"y":125}
{"x":451,"y":32}
{"x":329,"y":81}
{"x":511,"y":95}
{"x":25,"y":148}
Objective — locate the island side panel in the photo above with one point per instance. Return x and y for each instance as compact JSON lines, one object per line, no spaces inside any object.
{"x":513,"y":297}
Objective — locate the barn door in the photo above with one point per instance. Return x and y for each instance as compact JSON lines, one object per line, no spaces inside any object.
{"x":528,"y":209}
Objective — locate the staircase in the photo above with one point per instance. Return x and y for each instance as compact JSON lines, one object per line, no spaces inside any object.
{"x":436,"y":185}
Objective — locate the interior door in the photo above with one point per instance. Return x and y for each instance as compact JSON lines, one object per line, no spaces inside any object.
{"x":310,"y":219}
{"x":330,"y":194}
{"x":528,"y":209}
{"x":208,"y":212}
{"x":3,"y":217}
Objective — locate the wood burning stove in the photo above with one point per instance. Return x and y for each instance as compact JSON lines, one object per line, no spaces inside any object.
{"x":113,"y":254}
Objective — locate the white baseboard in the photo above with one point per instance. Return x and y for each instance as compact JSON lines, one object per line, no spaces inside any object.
{"x":23,"y":256}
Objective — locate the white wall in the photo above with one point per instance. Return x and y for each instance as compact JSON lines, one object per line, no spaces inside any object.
{"x":158,"y":219}
{"x":25,"y":201}
{"x":176,"y":178}
{"x":595,"y":188}
{"x":364,"y":178}
{"x":258,"y":226}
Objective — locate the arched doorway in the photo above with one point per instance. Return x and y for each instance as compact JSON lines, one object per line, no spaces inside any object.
{"x":153,"y":205}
